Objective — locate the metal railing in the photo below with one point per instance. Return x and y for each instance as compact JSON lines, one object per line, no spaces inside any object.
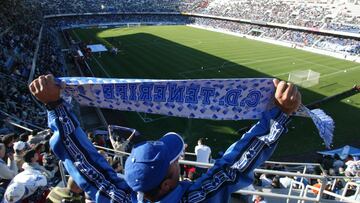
{"x":302,"y":197}
{"x":20,"y":121}
{"x":304,"y":191}
{"x":33,"y":64}
{"x":346,"y":189}
{"x":62,"y":172}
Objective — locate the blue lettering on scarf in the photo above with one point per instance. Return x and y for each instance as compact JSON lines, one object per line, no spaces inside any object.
{"x":132,"y":88}
{"x":206,"y":93}
{"x":232,"y":97}
{"x":192,"y":94}
{"x":176,"y":94}
{"x":252,"y":99}
{"x":145,"y":92}
{"x":188,"y":94}
{"x":159,"y":93}
{"x":108,"y":90}
{"x":121,"y":91}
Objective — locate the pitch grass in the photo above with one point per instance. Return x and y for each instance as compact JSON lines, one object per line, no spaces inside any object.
{"x":172,"y":52}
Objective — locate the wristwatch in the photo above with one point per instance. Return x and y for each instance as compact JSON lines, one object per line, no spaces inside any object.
{"x":52,"y":105}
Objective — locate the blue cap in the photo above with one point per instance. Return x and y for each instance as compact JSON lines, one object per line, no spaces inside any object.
{"x":149,"y":162}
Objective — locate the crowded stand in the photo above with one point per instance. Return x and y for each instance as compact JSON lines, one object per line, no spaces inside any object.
{"x":78,"y":21}
{"x":49,"y":57}
{"x":17,"y":102}
{"x":339,"y":45}
{"x":29,"y":170}
{"x":292,"y":13}
{"x":306,"y":39}
{"x":27,"y":163}
{"x":308,"y":15}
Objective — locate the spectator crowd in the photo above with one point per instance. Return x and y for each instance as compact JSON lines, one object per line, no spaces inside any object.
{"x":29,"y":171}
{"x":333,"y":16}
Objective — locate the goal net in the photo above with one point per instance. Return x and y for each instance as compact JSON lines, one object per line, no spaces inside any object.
{"x":133,"y":25}
{"x":304,"y":78}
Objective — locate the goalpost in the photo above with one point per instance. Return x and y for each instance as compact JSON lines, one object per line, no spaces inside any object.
{"x":130,"y":25}
{"x":304,"y":78}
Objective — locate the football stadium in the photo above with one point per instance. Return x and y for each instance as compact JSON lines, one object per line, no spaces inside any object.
{"x":175,"y":101}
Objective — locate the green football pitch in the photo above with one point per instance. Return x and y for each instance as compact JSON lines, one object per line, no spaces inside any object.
{"x":178,"y":52}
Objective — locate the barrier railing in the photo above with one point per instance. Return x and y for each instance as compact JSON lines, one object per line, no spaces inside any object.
{"x":303,"y":196}
{"x":303,"y":190}
{"x":293,"y":185}
{"x":62,"y":173}
{"x":18,"y":125}
{"x":346,"y":189}
{"x":33,"y":65}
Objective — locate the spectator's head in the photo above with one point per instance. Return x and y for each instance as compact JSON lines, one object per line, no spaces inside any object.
{"x":73,"y":187}
{"x":117,"y":167}
{"x":19,"y":147}
{"x":120,"y":139}
{"x":191,"y":176}
{"x":8,"y":140}
{"x":90,"y":136}
{"x":152,"y":168}
{"x":47,"y":146}
{"x":39,"y":147}
{"x":34,"y":132}
{"x":201,"y":141}
{"x":258,"y":198}
{"x":103,"y":153}
{"x":341,"y":171}
{"x":31,"y":156}
{"x":276,"y":182}
{"x":24,"y":137}
{"x":336,"y":157}
{"x":2,"y":150}
{"x":99,"y":140}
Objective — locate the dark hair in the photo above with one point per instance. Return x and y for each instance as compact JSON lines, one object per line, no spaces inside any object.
{"x":46,"y":146}
{"x":90,"y":134}
{"x":191,"y":176}
{"x":6,"y":139}
{"x":201,"y":140}
{"x":337,"y":157}
{"x":24,"y":137}
{"x":28,"y":155}
{"x":276,"y":182}
{"x":38,"y":146}
{"x":115,"y":164}
{"x":153,"y":193}
{"x":34,"y":132}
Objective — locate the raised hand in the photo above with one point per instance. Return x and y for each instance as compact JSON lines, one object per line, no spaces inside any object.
{"x":45,"y":89}
{"x":287,"y":96}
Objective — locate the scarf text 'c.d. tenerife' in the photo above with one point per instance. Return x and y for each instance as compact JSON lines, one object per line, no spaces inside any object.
{"x":216,"y":99}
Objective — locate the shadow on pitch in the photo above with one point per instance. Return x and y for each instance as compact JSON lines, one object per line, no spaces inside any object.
{"x":148,"y":56}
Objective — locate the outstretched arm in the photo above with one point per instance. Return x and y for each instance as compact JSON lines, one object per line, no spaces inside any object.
{"x":235,"y":169}
{"x":114,"y":143}
{"x":86,"y":166}
{"x":131,"y":136}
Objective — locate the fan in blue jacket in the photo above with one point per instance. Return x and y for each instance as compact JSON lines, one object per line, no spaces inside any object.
{"x":152,"y":169}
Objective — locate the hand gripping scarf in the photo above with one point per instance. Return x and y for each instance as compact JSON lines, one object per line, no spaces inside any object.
{"x":216,"y":99}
